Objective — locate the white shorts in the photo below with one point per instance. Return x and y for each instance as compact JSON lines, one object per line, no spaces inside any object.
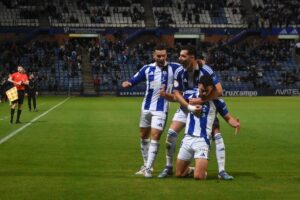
{"x":180,"y":116}
{"x":193,"y":147}
{"x":153,"y":119}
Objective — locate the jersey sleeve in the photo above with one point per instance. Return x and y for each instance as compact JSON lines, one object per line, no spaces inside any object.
{"x":221,"y":107}
{"x":139,"y":76}
{"x":178,"y":80}
{"x":12,"y":76}
{"x":208,"y":71}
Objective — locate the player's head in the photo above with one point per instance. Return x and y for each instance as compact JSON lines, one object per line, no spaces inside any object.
{"x":21,"y":69}
{"x":187,"y":56}
{"x":31,"y":76}
{"x":160,"y":55}
{"x":201,"y":60}
{"x":206,"y":85}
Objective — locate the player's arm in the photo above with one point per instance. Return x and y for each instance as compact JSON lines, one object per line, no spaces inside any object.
{"x":168,"y":96}
{"x":10,"y":79}
{"x":138,"y":77}
{"x":233,"y":122}
{"x":222,"y":109}
{"x":126,"y":84}
{"x":184,"y":103}
{"x":178,"y":88}
{"x":217,"y":92}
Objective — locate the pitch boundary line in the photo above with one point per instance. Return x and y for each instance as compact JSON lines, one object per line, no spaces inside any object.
{"x":12,"y":134}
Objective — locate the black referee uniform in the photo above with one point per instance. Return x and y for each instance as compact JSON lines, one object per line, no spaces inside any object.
{"x":32,"y":89}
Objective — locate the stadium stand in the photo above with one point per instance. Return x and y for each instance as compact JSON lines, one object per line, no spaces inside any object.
{"x":240,"y":64}
{"x":56,"y":66}
{"x":15,"y":13}
{"x":275,"y":13}
{"x":251,"y":65}
{"x":193,"y":13}
{"x":93,"y":14}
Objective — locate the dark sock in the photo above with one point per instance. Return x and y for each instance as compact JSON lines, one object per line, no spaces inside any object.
{"x":18,"y":115}
{"x":12,"y":112}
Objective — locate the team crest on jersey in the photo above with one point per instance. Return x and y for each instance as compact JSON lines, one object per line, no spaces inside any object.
{"x":176,"y":83}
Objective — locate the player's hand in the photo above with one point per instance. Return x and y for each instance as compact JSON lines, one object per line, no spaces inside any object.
{"x":126,"y":84}
{"x":198,"y":111}
{"x":237,"y":127}
{"x":196,"y":101}
{"x":18,"y":83}
{"x":162,"y":91}
{"x":26,"y":94}
{"x":36,"y":93}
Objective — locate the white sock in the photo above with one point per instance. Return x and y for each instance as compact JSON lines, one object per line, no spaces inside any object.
{"x":152,"y":153}
{"x":144,"y":149}
{"x":171,"y":147}
{"x":220,"y":151}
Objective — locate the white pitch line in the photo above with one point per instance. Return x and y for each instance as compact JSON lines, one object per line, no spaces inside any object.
{"x":12,"y":134}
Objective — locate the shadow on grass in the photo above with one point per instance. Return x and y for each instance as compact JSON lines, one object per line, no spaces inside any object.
{"x":213,"y":176}
{"x":210,"y":176}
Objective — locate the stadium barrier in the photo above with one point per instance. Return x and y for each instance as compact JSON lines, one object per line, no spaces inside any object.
{"x":249,"y":93}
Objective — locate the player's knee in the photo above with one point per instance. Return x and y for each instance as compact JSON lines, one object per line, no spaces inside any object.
{"x":156,"y":135}
{"x":179,"y":174}
{"x":199,"y":176}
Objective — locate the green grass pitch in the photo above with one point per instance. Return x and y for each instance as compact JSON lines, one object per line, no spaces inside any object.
{"x":88,"y":148}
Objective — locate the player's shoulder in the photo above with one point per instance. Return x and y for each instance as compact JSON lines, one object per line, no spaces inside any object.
{"x":13,"y":74}
{"x":175,"y":64}
{"x":207,"y":69}
{"x":147,"y":66}
{"x":150,"y":65}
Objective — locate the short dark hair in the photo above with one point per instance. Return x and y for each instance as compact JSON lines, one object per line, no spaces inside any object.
{"x":201,"y":56}
{"x":160,"y":47}
{"x":191,"y":50}
{"x":206,"y":80}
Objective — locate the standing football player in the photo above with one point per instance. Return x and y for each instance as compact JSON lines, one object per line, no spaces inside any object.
{"x":158,"y":75}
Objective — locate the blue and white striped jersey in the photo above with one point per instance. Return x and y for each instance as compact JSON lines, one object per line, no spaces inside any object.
{"x":156,"y":77}
{"x":201,"y":126}
{"x":187,"y":82}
